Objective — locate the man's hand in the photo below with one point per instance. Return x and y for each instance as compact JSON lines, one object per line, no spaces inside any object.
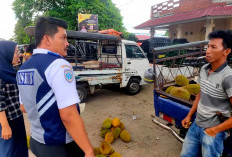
{"x":211,"y":132}
{"x":186,"y":122}
{"x":6,"y":132}
{"x":75,"y":126}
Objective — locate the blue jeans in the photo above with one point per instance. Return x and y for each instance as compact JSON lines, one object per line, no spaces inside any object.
{"x":197,"y":143}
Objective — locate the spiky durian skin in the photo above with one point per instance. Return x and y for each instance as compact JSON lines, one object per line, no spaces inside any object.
{"x":116,"y":122}
{"x":97,"y":151}
{"x":104,"y":132}
{"x":193,"y":89}
{"x":180,"y":92}
{"x":116,"y":132}
{"x":122,"y":126}
{"x":109,"y":137}
{"x":169,"y":89}
{"x":125,"y":136}
{"x":100,"y":155}
{"x":181,"y":80}
{"x":107,"y":123}
{"x":105,"y":148}
{"x":115,"y":154}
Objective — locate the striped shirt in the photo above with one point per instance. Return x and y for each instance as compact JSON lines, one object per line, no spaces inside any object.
{"x":9,"y":100}
{"x":216,"y":89}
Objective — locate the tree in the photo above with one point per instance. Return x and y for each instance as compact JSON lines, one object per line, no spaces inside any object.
{"x":167,"y":33}
{"x":28,"y":10}
{"x":130,"y":36}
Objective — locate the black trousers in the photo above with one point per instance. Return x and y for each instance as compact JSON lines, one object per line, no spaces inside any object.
{"x":67,"y":150}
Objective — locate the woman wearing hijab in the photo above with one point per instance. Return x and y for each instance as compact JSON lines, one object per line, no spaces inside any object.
{"x":12,"y":130}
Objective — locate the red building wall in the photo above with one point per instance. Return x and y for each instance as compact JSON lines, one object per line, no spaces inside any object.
{"x":189,"y":5}
{"x":175,"y":6}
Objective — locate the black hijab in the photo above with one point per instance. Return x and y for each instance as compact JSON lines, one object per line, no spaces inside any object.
{"x":7,"y":72}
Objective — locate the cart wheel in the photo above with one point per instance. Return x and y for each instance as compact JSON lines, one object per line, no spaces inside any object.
{"x":133,"y":87}
{"x":82,"y":92}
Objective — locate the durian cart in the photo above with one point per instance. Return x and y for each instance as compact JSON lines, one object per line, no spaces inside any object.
{"x":178,"y":60}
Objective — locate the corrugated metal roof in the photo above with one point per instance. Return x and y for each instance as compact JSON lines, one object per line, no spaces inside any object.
{"x":208,"y":12}
{"x":142,"y":37}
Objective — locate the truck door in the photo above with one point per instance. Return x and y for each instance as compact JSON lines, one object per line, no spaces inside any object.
{"x":135,"y":62}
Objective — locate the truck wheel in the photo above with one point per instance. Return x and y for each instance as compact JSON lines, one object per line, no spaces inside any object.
{"x":82,"y":92}
{"x":133,"y":87}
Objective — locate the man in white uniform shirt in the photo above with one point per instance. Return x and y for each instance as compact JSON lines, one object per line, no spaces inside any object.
{"x":48,"y":93}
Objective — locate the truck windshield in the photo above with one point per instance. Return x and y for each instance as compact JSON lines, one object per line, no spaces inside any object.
{"x":132,"y":51}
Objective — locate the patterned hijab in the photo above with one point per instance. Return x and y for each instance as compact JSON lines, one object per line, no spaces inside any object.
{"x":7,"y":72}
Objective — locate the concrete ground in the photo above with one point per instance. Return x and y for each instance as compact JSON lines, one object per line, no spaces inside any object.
{"x":148,"y":139}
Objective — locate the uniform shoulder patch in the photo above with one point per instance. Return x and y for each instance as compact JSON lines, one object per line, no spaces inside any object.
{"x":68,"y":74}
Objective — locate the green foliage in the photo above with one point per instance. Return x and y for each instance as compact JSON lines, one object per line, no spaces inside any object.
{"x":28,"y":10}
{"x":167,"y":33}
{"x":20,"y":35}
{"x":130,"y":36}
{"x":174,"y":62}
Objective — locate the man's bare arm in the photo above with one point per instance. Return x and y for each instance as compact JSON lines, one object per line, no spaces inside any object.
{"x":22,"y":108}
{"x":75,"y":126}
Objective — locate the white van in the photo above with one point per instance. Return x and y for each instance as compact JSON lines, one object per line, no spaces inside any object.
{"x":115,"y":61}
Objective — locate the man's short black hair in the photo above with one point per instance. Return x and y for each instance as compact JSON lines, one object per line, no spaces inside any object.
{"x":47,"y":26}
{"x":225,"y":35}
{"x":30,"y":48}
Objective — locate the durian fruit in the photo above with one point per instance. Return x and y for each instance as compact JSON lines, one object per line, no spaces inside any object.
{"x":169,"y":89}
{"x":121,"y":126}
{"x":116,"y":132}
{"x":112,"y":129}
{"x":100,"y":155}
{"x":125,"y":136}
{"x":181,"y":80}
{"x":180,"y":92}
{"x":105,"y":147}
{"x":193,"y":89}
{"x":116,"y":122}
{"x":109,"y":137}
{"x":112,"y":151}
{"x":115,"y":154}
{"x":104,"y":132}
{"x":107,"y":123}
{"x":96,"y":151}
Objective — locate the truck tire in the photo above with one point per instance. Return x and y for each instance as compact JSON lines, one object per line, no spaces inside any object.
{"x":133,"y":86}
{"x":82,"y":92}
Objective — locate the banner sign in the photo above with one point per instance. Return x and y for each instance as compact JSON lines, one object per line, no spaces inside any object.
{"x":88,"y":23}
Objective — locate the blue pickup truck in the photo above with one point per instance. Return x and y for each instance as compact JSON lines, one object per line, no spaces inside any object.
{"x":185,"y":59}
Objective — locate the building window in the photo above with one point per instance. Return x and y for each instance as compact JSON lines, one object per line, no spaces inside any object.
{"x":191,"y":33}
{"x":186,"y":33}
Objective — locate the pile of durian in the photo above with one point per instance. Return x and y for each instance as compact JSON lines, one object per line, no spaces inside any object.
{"x":111,"y":130}
{"x":105,"y":150}
{"x":183,"y":90}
